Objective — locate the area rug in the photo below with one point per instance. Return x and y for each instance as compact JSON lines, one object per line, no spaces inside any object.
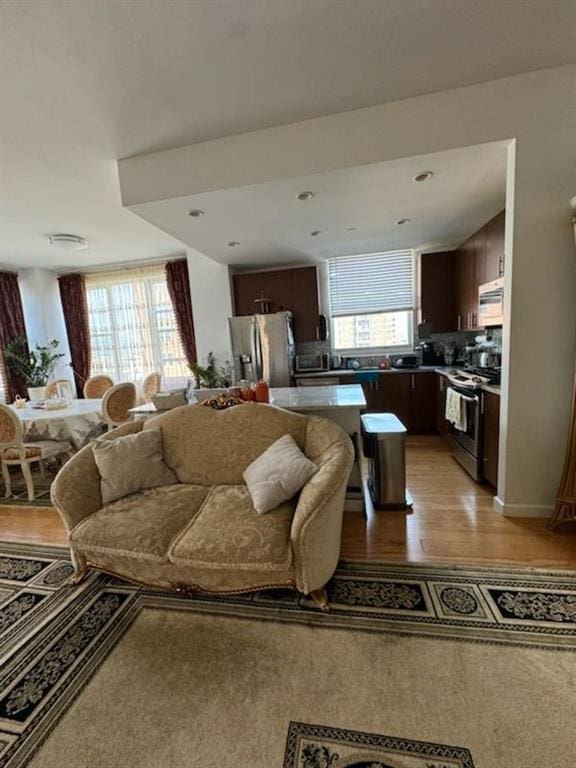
{"x":414,"y":667}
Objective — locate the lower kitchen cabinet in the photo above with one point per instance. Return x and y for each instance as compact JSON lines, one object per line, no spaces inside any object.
{"x":410,"y":396}
{"x":491,"y":434}
{"x":442,"y":425}
{"x":422,"y":402}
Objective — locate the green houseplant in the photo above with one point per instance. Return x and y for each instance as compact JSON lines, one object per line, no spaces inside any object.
{"x":211,"y":376}
{"x":34,"y":366}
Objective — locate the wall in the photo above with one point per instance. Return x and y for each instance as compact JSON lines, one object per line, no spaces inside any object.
{"x":535,"y":113}
{"x":43,"y":314}
{"x":211,"y":293}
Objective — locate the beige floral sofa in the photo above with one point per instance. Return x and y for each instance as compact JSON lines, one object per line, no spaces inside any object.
{"x":203,"y":533}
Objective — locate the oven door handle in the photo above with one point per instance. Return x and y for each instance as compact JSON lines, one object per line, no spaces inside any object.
{"x":469,"y":398}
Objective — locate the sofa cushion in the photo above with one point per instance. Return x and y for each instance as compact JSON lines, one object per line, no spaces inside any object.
{"x":208,"y":447}
{"x":278,"y":474}
{"x":228,"y":533}
{"x":142,"y":525}
{"x":130,"y":464}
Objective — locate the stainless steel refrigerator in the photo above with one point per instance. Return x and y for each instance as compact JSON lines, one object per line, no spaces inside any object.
{"x":263,"y":348}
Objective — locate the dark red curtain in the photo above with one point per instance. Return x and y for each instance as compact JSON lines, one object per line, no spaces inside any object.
{"x":179,"y":289}
{"x":11,"y":326}
{"x":75,"y":307}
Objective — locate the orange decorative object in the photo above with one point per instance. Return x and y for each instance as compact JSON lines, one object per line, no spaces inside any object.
{"x":246,"y":393}
{"x":262,"y":392}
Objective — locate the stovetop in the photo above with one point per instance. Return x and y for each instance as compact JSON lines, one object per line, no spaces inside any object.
{"x":490,"y":375}
{"x":474,"y":378}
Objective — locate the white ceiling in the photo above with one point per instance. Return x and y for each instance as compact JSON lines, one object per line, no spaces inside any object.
{"x":273,"y":227}
{"x":85,"y":83}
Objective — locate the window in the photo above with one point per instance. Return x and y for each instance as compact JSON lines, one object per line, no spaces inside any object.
{"x":372,"y":301}
{"x":133,"y":329}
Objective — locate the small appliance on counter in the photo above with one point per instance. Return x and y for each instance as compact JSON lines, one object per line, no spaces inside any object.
{"x":429,"y":354}
{"x":336,"y":362}
{"x":406,"y":361}
{"x":312,"y":363}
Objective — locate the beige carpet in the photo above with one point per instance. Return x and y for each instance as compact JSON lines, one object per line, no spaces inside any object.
{"x":182,"y":689}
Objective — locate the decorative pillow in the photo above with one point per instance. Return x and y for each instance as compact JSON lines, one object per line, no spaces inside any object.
{"x":221,"y":402}
{"x":278,"y":474}
{"x":131,"y":463}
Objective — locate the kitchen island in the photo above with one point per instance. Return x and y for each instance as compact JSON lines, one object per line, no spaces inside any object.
{"x":342,"y":403}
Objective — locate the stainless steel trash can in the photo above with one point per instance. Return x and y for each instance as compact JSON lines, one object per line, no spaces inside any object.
{"x":384,"y":441}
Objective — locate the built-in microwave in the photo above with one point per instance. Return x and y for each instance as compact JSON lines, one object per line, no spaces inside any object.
{"x":491,"y":303}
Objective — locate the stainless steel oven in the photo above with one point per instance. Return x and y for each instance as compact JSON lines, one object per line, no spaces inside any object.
{"x":467,"y":444}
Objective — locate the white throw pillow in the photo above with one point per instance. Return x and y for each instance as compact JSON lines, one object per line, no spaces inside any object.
{"x":278,"y":474}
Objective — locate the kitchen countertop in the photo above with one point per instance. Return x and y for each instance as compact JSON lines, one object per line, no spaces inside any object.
{"x":319,"y":398}
{"x":346,"y":372}
{"x":350,"y":372}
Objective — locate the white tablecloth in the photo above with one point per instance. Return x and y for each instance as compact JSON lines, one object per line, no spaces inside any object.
{"x":77,"y":423}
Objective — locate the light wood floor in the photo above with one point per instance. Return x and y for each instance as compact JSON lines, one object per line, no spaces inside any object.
{"x":453,"y":522}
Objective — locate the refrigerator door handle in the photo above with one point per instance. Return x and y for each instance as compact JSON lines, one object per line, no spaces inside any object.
{"x":256,"y":349}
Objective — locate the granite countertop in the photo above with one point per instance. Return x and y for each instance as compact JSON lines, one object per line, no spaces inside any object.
{"x":443,"y":370}
{"x":319,"y":398}
{"x":350,"y":372}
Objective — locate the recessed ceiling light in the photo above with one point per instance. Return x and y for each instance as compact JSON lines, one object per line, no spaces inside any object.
{"x":233,"y":243}
{"x":402,"y":221}
{"x":316,"y":232}
{"x":305,"y":195}
{"x":351,"y":229}
{"x":196,"y":213}
{"x":424,"y":176}
{"x":68,"y":242}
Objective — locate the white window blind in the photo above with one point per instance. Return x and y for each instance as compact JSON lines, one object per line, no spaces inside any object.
{"x":133,"y":330}
{"x":372,"y":282}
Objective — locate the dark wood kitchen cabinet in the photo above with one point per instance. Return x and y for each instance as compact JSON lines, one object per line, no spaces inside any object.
{"x":480,"y":259}
{"x":422,"y":403}
{"x":437,"y":291}
{"x":442,"y":426}
{"x":410,"y":396}
{"x":491,"y":436}
{"x":295,"y":290}
{"x":494,"y":258}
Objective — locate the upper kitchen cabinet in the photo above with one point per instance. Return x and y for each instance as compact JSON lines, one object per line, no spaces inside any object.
{"x":437,"y":291}
{"x":495,"y":247}
{"x":479,"y":260}
{"x":285,"y":289}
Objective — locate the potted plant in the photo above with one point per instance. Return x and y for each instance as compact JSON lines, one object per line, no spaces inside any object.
{"x":210,"y":379}
{"x":34,"y":366}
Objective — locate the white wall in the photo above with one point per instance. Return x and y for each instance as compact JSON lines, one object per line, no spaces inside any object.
{"x":43,"y":314}
{"x":536,"y":112}
{"x":210,"y":290}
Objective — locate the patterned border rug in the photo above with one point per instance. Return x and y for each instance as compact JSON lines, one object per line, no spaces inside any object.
{"x":401,"y":649}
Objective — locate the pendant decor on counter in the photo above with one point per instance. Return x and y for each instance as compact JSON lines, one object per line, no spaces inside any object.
{"x":565,"y":509}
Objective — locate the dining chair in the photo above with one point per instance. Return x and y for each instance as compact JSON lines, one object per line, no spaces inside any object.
{"x":15,"y":452}
{"x":117,"y":402}
{"x":52,"y":388}
{"x":151,"y":385}
{"x":96,"y":386}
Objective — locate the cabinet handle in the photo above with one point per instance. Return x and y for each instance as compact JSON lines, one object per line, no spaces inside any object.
{"x":441,"y":383}
{"x":412,"y":381}
{"x":459,"y":322}
{"x":482,"y":397}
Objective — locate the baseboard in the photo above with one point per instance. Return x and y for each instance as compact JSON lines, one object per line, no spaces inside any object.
{"x":522,"y":510}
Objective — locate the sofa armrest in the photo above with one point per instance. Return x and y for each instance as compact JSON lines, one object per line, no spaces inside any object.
{"x":75,"y":491}
{"x":317,"y":525}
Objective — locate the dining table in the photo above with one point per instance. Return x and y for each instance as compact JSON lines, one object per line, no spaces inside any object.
{"x":78,"y":422}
